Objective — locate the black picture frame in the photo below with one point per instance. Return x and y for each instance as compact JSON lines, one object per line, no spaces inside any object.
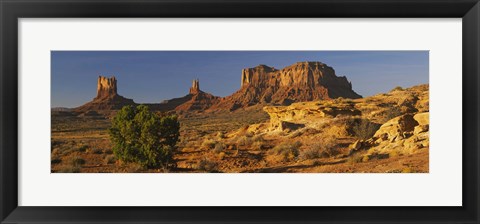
{"x":12,"y":10}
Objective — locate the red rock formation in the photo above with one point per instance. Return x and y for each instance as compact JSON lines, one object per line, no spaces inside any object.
{"x":106,"y":87}
{"x":303,"y":81}
{"x":195,"y":87}
{"x":198,"y":100}
{"x":107,"y":98}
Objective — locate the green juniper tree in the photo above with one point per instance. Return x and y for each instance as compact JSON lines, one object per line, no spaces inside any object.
{"x":143,"y":137}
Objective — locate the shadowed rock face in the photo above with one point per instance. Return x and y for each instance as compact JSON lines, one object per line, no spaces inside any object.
{"x":302,"y":81}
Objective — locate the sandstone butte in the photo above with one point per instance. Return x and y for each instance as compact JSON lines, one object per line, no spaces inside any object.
{"x":302,"y":81}
{"x":107,"y":98}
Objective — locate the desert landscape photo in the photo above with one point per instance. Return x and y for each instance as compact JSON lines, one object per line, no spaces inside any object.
{"x":239,"y":112}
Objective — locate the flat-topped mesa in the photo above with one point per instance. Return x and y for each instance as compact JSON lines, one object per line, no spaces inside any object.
{"x":195,"y":89}
{"x":106,"y":87}
{"x":256,"y":75}
{"x":302,"y":81}
{"x":300,"y":74}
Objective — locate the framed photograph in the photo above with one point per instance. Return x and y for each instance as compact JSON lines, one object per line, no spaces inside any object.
{"x":239,"y":112}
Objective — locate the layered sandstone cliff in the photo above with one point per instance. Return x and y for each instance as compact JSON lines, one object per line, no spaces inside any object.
{"x":302,"y":81}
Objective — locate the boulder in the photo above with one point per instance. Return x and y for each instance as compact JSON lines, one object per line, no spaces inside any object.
{"x":406,"y":134}
{"x":422,"y":118}
{"x":396,"y":128}
{"x":419,"y":129}
{"x":306,"y":112}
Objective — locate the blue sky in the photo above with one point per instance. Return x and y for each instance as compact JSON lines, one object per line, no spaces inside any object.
{"x":153,"y":76}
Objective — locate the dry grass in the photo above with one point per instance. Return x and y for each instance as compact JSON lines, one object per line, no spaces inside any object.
{"x":209,"y":144}
{"x":237,"y":142}
{"x":286,"y":151}
{"x":324,"y":147}
{"x":207,"y":165}
{"x":364,"y":129}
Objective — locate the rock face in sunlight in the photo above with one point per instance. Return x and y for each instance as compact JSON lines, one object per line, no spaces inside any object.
{"x":386,"y":124}
{"x":261,"y":85}
{"x":107,"y":98}
{"x":106,"y":87}
{"x":195,"y":89}
{"x":282,"y":117}
{"x":302,"y":81}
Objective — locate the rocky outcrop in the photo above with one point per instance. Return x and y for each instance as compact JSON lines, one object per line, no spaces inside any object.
{"x":195,"y":89}
{"x":381,"y":108}
{"x":107,"y":98}
{"x":306,"y":114}
{"x":106,"y":87}
{"x":303,"y":81}
{"x":403,"y":114}
{"x":397,"y":128}
{"x":198,"y":100}
{"x":404,"y":134}
{"x":195,"y":100}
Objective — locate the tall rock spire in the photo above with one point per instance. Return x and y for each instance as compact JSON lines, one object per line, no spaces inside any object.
{"x":106,"y":87}
{"x":195,"y":89}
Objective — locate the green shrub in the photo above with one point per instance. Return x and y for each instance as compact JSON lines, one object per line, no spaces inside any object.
{"x":96,"y":151}
{"x":56,"y":161}
{"x":287,"y":151}
{"x":207,"y":165}
{"x":324,"y":148}
{"x":82,"y":148}
{"x":244,"y":141}
{"x":391,"y":112}
{"x":77,"y":161}
{"x":310,"y":153}
{"x":397,"y":88}
{"x":364,"y":129}
{"x":143,"y":137}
